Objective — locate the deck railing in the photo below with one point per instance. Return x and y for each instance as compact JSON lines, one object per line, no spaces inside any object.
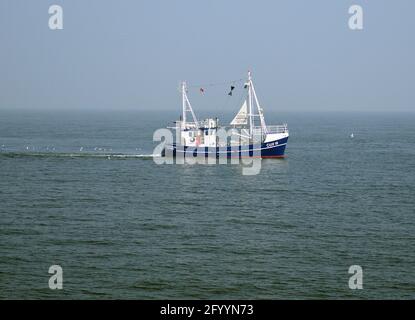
{"x":270,"y":129}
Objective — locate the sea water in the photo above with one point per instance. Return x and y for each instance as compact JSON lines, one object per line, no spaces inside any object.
{"x":80,"y":189}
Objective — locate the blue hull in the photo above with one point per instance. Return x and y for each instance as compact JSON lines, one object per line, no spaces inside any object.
{"x":272,"y":149}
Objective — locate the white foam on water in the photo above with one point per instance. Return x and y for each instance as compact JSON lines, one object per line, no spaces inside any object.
{"x":78,"y":155}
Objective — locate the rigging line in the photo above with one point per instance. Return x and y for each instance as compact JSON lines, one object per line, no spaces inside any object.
{"x":216,"y":83}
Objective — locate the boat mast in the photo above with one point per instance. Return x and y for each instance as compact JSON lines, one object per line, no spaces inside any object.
{"x":260,"y":111}
{"x":186,"y":106}
{"x":251,"y":125}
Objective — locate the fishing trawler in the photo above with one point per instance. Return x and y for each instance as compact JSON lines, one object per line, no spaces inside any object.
{"x":248,"y":134}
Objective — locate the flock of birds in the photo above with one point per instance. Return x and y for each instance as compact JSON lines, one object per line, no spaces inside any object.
{"x":81,"y":149}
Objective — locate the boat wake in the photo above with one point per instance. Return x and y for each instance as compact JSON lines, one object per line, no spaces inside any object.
{"x":108,"y":156}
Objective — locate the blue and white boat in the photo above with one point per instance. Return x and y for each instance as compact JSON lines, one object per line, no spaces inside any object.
{"x":248,"y":134}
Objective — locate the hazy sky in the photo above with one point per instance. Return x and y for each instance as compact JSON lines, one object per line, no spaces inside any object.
{"x":131,"y":54}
